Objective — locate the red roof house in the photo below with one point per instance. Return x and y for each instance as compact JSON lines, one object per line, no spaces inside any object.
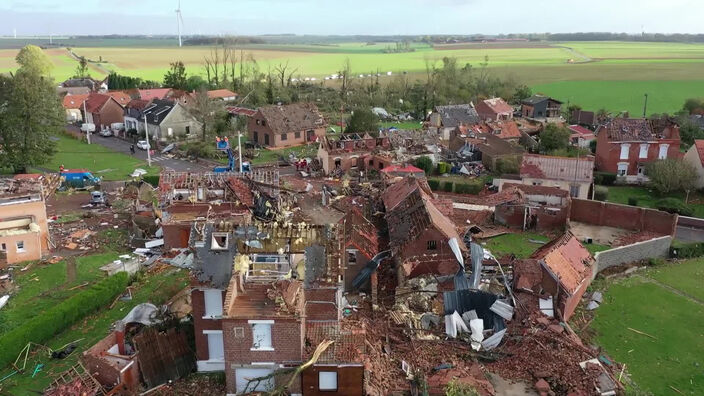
{"x":494,"y":109}
{"x":581,"y":136}
{"x":102,"y":110}
{"x":156,"y":93}
{"x":222,"y":94}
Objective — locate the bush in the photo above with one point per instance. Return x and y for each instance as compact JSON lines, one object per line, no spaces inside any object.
{"x":601,"y":193}
{"x":425,"y":163}
{"x":43,"y":327}
{"x":674,"y":205}
{"x":434,"y":184}
{"x":605,"y":178}
{"x":633,"y":201}
{"x":151,"y":179}
{"x":443,"y":167}
{"x":468,"y":188}
{"x":447,"y":186}
{"x":508,"y":165}
{"x":687,"y":250}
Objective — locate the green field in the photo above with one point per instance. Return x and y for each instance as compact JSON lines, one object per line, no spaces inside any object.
{"x":648,"y":198}
{"x":675,"y":357}
{"x":103,"y":162}
{"x":613,"y":75}
{"x":522,"y":245}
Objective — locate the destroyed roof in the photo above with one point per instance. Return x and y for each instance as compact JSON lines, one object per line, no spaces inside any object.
{"x":74,"y":101}
{"x":537,"y":190}
{"x":567,"y":260}
{"x":497,"y":105}
{"x":501,"y":129}
{"x":578,"y":169}
{"x":294,"y":117}
{"x":402,"y":169}
{"x":456,"y":115}
{"x":494,"y":145}
{"x":410,"y":211}
{"x":360,"y":232}
{"x":584,"y":117}
{"x":265,"y":301}
{"x":236,"y":110}
{"x":580,"y":130}
{"x":33,"y":183}
{"x":241,"y":185}
{"x":638,"y":129}
{"x":349,"y":341}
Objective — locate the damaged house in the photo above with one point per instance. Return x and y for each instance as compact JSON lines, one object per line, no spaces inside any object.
{"x":24,"y":231}
{"x":534,"y":207}
{"x":352,"y":151}
{"x":559,"y":272}
{"x":419,"y":231}
{"x":444,"y":119}
{"x":229,"y":197}
{"x":286,"y":125}
{"x":570,"y":174}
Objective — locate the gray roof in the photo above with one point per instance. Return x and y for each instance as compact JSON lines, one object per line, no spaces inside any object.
{"x":698,"y":120}
{"x":535,"y":99}
{"x":454,"y":115}
{"x":157,"y":111}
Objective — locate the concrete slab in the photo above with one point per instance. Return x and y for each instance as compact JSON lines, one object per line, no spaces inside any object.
{"x":599,"y":234}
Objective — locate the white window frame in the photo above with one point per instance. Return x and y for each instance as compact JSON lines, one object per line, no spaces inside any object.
{"x":619,"y":166}
{"x":213,"y":336}
{"x":215,"y":298}
{"x":625,"y":149}
{"x":662,"y":151}
{"x":215,"y":245}
{"x":351,"y":252}
{"x":328,"y":377}
{"x":643,"y":153}
{"x":267,"y":340}
{"x":18,"y":248}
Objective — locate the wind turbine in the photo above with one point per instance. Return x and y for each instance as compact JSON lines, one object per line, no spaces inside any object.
{"x":179,"y":22}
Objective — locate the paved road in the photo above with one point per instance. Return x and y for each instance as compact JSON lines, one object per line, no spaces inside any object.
{"x":159,"y":159}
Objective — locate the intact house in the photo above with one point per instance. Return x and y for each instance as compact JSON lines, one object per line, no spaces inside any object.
{"x":351,"y":151}
{"x":286,"y":125}
{"x":222,"y":94}
{"x":539,"y":106}
{"x":419,"y":232}
{"x":625,"y":146}
{"x":85,"y":83}
{"x":494,"y":109}
{"x":570,"y":174}
{"x":559,"y":273}
{"x":121,"y":97}
{"x":695,"y":157}
{"x":167,"y":120}
{"x":102,"y":111}
{"x":24,"y":231}
{"x":73,"y":105}
{"x":581,"y":136}
{"x":151,"y":94}
{"x":133,"y":119}
{"x":532,"y":207}
{"x":445,"y":119}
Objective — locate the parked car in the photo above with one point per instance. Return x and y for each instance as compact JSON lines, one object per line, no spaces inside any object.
{"x":142,"y":145}
{"x":117,"y":127}
{"x":98,"y":198}
{"x":105,"y":133}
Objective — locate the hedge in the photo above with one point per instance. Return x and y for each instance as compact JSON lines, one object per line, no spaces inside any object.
{"x":434,"y":184}
{"x":444,"y":167}
{"x":447,"y":186}
{"x":44,"y":326}
{"x":686,"y":250}
{"x":674,"y":205}
{"x":468,"y":188}
{"x":601,"y":193}
{"x":151,"y":179}
{"x":605,"y":178}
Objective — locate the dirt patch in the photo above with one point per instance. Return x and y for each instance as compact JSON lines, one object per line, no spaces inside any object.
{"x":71,"y":270}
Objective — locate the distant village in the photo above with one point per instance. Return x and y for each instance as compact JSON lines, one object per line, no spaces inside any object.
{"x":363,"y":267}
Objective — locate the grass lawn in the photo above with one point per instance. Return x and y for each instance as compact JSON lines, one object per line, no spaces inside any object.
{"x":43,"y":286}
{"x":403,"y":125}
{"x":686,"y":275}
{"x":154,"y":288}
{"x":267,"y":156}
{"x":647,"y":198}
{"x":103,"y":162}
{"x":519,"y":244}
{"x":676,"y":357}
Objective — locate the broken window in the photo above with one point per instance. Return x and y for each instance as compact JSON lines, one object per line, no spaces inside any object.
{"x":574,"y":190}
{"x":432,"y":245}
{"x":338,"y":162}
{"x":20,"y":246}
{"x":220,"y":241}
{"x":188,"y":130}
{"x":327,"y":380}
{"x":351,"y":256}
{"x":261,"y":335}
{"x":213,"y":303}
{"x":3,"y":247}
{"x":284,"y":136}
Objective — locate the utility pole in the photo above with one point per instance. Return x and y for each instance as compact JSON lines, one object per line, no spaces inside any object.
{"x":239,"y":147}
{"x":149,"y":147}
{"x":645,"y":105}
{"x":85,"y":118}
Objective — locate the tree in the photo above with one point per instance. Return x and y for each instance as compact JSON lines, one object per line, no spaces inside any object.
{"x":425,"y":163}
{"x":694,"y":106}
{"x":195,"y":83}
{"x":521,"y":92}
{"x":30,"y":113}
{"x":689,"y":131}
{"x":363,"y":120}
{"x":176,"y":76}
{"x":206,"y":111}
{"x":670,"y":175}
{"x":554,"y":137}
{"x":82,"y":68}
{"x":33,"y":60}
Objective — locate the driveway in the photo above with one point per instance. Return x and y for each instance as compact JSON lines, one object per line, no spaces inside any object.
{"x":159,"y":159}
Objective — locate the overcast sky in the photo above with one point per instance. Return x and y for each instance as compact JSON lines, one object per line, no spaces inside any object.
{"x":250,"y":17}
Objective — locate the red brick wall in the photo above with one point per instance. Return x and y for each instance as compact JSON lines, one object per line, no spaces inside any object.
{"x":350,"y":381}
{"x":285,"y":338}
{"x":176,"y":235}
{"x":110,"y":113}
{"x":440,"y":261}
{"x":321,"y":304}
{"x":623,"y":216}
{"x":200,"y":324}
{"x":568,"y":304}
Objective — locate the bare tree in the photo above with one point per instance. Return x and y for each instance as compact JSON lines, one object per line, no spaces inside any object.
{"x":345,"y":75}
{"x":283,"y":74}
